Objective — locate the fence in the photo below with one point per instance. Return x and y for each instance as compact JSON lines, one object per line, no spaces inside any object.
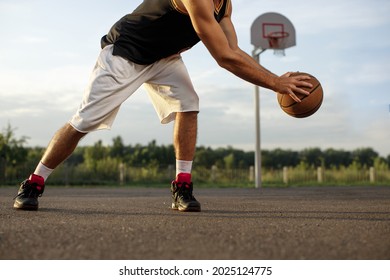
{"x":336,"y":176}
{"x":120,"y":174}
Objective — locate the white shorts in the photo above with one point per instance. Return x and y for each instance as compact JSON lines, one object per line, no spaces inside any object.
{"x":114,"y":79}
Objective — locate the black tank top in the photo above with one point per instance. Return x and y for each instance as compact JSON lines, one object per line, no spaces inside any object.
{"x":155,"y":30}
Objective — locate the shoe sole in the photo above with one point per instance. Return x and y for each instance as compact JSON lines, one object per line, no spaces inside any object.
{"x":18,"y":206}
{"x":188,"y":209}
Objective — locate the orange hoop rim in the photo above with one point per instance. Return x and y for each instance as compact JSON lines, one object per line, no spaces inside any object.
{"x":278,"y":35}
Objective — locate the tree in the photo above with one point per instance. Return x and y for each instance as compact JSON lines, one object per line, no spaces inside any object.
{"x":337,"y":158}
{"x":312,"y":156}
{"x":365,"y":156}
{"x":204,"y":157}
{"x":118,"y":148}
{"x":279,"y":158}
{"x":229,"y":161}
{"x":12,"y":151}
{"x":93,"y":154}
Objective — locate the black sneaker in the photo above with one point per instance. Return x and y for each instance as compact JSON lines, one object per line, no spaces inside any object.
{"x":29,"y":191}
{"x":182,"y":198}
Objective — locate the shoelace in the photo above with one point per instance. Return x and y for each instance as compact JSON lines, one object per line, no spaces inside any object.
{"x":29,"y":190}
{"x":185,"y":190}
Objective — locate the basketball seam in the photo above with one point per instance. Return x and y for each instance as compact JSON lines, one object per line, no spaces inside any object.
{"x":312,"y":111}
{"x":302,"y":98}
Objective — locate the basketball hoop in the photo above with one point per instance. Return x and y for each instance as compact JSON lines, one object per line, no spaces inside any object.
{"x":277,"y":41}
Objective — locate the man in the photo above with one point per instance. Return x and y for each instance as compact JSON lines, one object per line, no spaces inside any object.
{"x":144,"y":48}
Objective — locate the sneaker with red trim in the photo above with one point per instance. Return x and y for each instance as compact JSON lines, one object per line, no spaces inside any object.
{"x":182,"y":197}
{"x":29,"y":191}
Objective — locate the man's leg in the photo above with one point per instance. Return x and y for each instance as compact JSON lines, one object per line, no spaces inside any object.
{"x":60,"y":148}
{"x":185,"y":132}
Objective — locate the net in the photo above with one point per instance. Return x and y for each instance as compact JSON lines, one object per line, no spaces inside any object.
{"x":277,"y":41}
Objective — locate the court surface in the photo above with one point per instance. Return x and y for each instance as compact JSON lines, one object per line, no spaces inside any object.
{"x":325,"y":223}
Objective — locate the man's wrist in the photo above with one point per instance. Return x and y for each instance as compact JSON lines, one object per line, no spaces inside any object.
{"x":274,"y":82}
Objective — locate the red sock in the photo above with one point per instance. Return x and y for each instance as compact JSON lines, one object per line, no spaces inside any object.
{"x":183,"y":178}
{"x":37,"y":179}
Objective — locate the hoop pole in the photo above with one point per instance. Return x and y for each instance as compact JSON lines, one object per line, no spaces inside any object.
{"x":256,"y":55}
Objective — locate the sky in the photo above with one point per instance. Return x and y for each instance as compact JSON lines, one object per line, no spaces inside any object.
{"x":48,"y":50}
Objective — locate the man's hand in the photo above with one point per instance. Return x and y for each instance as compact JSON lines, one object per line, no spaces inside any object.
{"x":286,"y":84}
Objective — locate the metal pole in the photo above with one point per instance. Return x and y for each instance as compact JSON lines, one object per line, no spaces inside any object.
{"x":256,"y":56}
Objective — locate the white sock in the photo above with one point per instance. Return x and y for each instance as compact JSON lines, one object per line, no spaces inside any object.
{"x":43,"y":171}
{"x":183,"y":166}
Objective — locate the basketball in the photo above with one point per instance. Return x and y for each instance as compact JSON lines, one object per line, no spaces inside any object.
{"x":309,"y":103}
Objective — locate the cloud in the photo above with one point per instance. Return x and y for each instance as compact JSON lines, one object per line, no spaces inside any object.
{"x":371,"y":73}
{"x":31,"y":40}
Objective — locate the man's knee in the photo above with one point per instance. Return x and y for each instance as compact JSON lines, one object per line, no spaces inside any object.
{"x":188,"y":115}
{"x":72,"y":132}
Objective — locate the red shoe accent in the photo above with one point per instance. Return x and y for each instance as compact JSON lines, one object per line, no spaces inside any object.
{"x":37,"y":179}
{"x":183,"y":178}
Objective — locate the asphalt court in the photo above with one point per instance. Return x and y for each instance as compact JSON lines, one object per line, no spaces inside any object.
{"x":112,"y":223}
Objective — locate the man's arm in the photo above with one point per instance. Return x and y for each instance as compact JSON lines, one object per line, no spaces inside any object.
{"x":230,"y":33}
{"x":221,"y":41}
